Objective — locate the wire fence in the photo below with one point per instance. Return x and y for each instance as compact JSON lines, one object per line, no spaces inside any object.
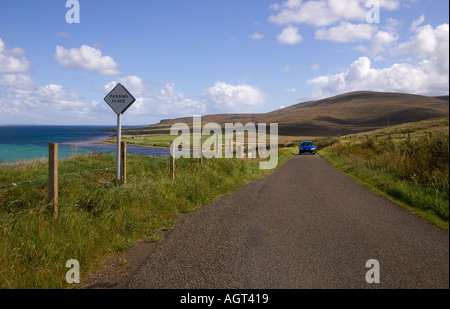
{"x":15,"y":192}
{"x":62,"y":176}
{"x":393,"y":135}
{"x":160,"y":158}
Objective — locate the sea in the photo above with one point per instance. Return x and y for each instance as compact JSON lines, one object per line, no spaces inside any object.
{"x":27,"y":143}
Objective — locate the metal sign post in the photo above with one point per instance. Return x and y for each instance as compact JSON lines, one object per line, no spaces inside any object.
{"x":119,"y":99}
{"x":119,"y":140}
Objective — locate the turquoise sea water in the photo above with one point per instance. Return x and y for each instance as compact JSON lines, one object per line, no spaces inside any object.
{"x":19,"y":143}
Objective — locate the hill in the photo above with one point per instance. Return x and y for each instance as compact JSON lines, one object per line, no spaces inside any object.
{"x":444,"y":98}
{"x":343,"y":114}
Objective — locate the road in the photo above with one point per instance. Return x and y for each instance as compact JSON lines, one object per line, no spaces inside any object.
{"x":306,"y":226}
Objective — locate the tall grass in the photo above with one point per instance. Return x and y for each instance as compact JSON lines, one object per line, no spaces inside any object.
{"x":324,"y":142}
{"x":97,"y":217}
{"x":414,"y":171}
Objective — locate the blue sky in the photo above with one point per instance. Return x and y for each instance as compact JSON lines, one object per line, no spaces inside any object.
{"x":186,"y":57}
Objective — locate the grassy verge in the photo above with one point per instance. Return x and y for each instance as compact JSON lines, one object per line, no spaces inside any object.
{"x":97,"y":218}
{"x":414,"y":171}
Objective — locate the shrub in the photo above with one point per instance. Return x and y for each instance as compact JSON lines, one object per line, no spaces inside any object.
{"x":325,"y":142}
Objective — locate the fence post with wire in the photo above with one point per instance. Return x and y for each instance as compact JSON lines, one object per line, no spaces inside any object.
{"x":123,"y":165}
{"x":53,"y":177}
{"x":172,"y":160}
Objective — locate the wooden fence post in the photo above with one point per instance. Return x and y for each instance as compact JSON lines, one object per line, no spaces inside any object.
{"x":201,"y":151}
{"x":53,"y":177}
{"x":217,"y":145}
{"x":123,"y":164}
{"x":172,"y":161}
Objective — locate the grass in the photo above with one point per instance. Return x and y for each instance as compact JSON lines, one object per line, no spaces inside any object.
{"x":410,"y":170}
{"x":157,"y":140}
{"x":98,"y":218}
{"x":164,"y":140}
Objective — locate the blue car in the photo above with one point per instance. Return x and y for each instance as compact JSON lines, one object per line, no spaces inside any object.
{"x":307,"y":146}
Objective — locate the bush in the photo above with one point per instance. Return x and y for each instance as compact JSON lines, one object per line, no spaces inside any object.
{"x":325,"y":142}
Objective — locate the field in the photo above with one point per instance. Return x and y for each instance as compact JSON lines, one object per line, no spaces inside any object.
{"x":408,"y":163}
{"x":155,"y":140}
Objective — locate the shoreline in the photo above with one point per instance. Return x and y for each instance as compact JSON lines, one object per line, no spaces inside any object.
{"x":87,"y":142}
{"x":108,"y":142}
{"x":105,"y":140}
{"x":100,"y":142}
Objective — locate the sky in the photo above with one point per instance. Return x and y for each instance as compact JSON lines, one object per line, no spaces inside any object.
{"x":181,"y":58}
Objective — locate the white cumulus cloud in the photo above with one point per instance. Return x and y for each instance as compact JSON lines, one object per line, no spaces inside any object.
{"x":381,"y":40}
{"x":426,"y":72}
{"x":391,"y":4}
{"x":347,"y":32}
{"x":431,"y":46}
{"x":86,"y":58}
{"x":20,"y":81}
{"x":317,"y":13}
{"x":157,"y":99}
{"x":23,"y":95}
{"x":33,"y":99}
{"x":415,"y":25}
{"x":172,"y":102}
{"x":322,"y":13}
{"x":9,"y":63}
{"x":402,"y":77}
{"x":134,"y":84}
{"x":290,"y":36}
{"x":230,"y":98}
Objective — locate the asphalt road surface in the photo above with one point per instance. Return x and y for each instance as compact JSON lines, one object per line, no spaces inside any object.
{"x":306,"y":226}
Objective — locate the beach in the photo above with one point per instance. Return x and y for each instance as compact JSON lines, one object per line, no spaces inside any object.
{"x":19,"y":143}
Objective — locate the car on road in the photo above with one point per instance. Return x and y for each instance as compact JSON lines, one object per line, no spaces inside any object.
{"x":306,"y":147}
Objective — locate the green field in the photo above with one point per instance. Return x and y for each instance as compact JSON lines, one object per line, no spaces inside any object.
{"x":157,"y":140}
{"x":408,"y":164}
{"x":98,"y":219}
